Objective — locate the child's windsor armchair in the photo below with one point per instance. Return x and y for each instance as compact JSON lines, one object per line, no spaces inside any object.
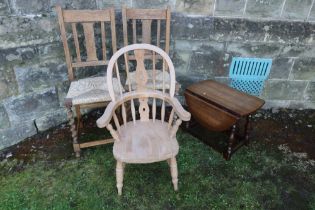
{"x":148,"y":137}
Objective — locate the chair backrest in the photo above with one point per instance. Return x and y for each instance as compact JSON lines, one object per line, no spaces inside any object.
{"x":144,"y":93}
{"x":249,"y":74}
{"x":90,"y":21}
{"x":149,"y":22}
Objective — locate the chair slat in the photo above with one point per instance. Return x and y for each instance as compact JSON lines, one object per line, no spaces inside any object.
{"x":154,"y":110}
{"x":116,"y":121}
{"x":133,"y":111}
{"x":113,"y":30}
{"x":134,"y":31}
{"x":167,"y":31}
{"x":118,"y":77}
{"x":103,"y":34}
{"x":88,"y":29}
{"x":163,"y":111}
{"x":76,"y":41}
{"x":170,"y":120}
{"x":158,"y":33}
{"x":146,"y":31}
{"x":124,"y":114}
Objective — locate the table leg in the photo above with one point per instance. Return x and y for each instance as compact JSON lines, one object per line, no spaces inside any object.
{"x":246,"y":131}
{"x":76,"y":146}
{"x":227,"y":155}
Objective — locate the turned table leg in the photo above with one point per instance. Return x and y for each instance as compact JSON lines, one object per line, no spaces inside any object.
{"x":246,"y":131}
{"x":76,"y":146}
{"x":227,"y":155}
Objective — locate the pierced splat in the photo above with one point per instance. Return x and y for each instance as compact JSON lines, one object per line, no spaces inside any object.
{"x":90,"y":41}
{"x":141,"y":80}
{"x":141,"y":73}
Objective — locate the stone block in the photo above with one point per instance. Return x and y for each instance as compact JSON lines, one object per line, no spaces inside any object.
{"x":24,"y":31}
{"x":62,"y":90}
{"x":8,"y":84}
{"x":281,"y":68}
{"x":264,"y":8}
{"x":29,"y":7}
{"x":296,"y":9}
{"x":284,"y":90}
{"x":31,"y":106}
{"x":4,"y":119}
{"x":191,"y":28}
{"x":4,"y":8}
{"x":181,"y":60}
{"x":229,"y":8}
{"x":298,"y":50}
{"x":302,"y":105}
{"x":101,"y":4}
{"x":269,"y":104}
{"x":303,"y":69}
{"x":74,"y":4}
{"x":51,"y":120}
{"x":261,"y":50}
{"x":51,"y":51}
{"x":153,"y":3}
{"x":15,"y":134}
{"x":245,"y":30}
{"x":310,"y":92}
{"x":195,"y":7}
{"x":209,"y":62}
{"x":40,"y":76}
{"x":312,"y":14}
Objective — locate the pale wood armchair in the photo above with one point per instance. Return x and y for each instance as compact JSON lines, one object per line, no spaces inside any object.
{"x":149,"y":136}
{"x":90,"y":92}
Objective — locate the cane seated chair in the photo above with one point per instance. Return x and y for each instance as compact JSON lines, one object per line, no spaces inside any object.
{"x":146,"y":138}
{"x":154,"y":25}
{"x":81,"y":30}
{"x":249,"y":74}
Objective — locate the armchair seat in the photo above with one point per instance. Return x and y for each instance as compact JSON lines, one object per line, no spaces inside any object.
{"x":145,"y":142}
{"x":90,"y":90}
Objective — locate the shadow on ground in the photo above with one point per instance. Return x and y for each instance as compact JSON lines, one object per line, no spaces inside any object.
{"x":276,"y":171}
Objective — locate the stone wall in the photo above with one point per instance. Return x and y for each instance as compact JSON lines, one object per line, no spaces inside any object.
{"x":206,"y":34}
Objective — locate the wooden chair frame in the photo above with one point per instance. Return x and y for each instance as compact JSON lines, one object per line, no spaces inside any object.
{"x":147,"y":16}
{"x":143,"y":94}
{"x":87,"y":18}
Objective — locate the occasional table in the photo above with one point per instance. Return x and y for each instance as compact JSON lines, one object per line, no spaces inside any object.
{"x":219,"y":107}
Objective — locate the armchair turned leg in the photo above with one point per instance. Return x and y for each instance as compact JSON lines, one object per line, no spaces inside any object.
{"x":76,"y":146}
{"x":174,"y":172}
{"x":119,"y":176}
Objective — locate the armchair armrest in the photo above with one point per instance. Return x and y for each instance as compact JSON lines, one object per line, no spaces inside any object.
{"x":178,"y":108}
{"x":104,"y":120}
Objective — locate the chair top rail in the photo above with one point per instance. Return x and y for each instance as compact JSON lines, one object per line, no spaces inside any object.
{"x":132,"y":47}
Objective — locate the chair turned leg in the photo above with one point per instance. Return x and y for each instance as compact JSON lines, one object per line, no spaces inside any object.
{"x":76,"y":146}
{"x":174,"y":172}
{"x":119,"y":176}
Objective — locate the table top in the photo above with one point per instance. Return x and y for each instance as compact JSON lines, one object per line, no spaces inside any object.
{"x":235,"y":102}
